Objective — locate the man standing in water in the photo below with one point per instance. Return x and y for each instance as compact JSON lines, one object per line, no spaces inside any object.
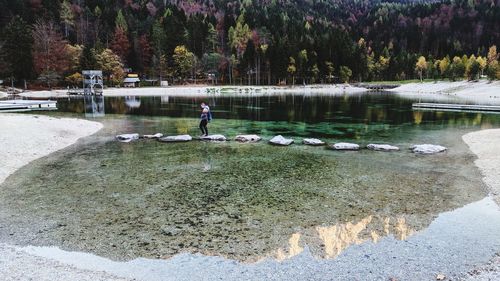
{"x":205,"y":118}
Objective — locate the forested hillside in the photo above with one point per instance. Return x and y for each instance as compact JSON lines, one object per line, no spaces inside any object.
{"x":249,"y":41}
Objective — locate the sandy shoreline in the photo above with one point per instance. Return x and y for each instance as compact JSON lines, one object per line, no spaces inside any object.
{"x":24,"y":138}
{"x":482,"y":92}
{"x":486,"y":145}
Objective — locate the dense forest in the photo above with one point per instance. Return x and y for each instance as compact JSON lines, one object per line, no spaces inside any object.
{"x":273,"y":42}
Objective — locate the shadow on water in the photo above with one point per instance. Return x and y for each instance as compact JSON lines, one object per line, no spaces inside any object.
{"x":243,"y":201}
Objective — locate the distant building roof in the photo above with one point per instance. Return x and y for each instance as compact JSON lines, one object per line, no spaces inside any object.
{"x":131,"y":80}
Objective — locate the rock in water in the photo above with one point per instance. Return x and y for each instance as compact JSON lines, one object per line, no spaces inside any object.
{"x":427,"y":148}
{"x":280,"y":140}
{"x":127,"y":137}
{"x":180,"y":138}
{"x":155,"y":136}
{"x":315,"y":142}
{"x":382,"y":147}
{"x":214,"y":138}
{"x":247,"y":138}
{"x":345,"y":146}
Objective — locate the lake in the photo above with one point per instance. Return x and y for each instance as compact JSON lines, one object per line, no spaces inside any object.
{"x":250,"y":202}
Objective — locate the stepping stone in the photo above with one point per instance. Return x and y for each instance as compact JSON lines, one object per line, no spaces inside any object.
{"x":180,"y":138}
{"x":280,"y":140}
{"x":382,"y":147}
{"x":127,"y":137}
{"x":344,"y":146}
{"x":155,"y":136}
{"x":313,"y":142}
{"x":247,"y":138}
{"x":213,"y":138}
{"x":427,"y":148}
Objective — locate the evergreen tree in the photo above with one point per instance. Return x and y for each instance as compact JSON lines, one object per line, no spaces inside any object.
{"x":16,"y":49}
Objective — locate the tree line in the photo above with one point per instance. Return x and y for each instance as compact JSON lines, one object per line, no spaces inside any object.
{"x":248,"y":41}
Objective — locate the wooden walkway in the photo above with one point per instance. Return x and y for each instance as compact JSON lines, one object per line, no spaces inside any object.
{"x":27,"y":105}
{"x":457,"y":107}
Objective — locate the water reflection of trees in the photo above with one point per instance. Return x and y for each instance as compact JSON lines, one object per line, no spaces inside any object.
{"x":354,"y":109}
{"x":330,"y":241}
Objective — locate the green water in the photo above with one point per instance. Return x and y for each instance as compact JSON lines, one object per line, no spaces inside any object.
{"x":244,"y":201}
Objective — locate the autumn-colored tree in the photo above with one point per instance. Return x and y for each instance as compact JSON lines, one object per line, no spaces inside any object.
{"x":345,"y":73}
{"x":74,"y":55}
{"x":120,"y":44}
{"x":493,"y":68}
{"x":457,"y":68}
{"x":184,"y":61}
{"x":472,"y":68}
{"x":381,"y":66}
{"x":49,"y":52}
{"x":444,"y":65}
{"x":239,"y":36}
{"x":75,"y":79}
{"x":111,"y":66}
{"x":421,"y":66}
{"x":492,"y":54}
{"x":483,"y":63}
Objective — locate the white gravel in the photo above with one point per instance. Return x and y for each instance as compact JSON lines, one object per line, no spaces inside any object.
{"x":486,"y":145}
{"x":17,"y":265}
{"x":24,"y":138}
{"x":483,"y":92}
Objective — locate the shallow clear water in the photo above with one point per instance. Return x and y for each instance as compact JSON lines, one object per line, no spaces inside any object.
{"x":244,"y":201}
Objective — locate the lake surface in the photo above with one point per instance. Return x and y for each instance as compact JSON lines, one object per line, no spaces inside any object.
{"x":247,"y":202}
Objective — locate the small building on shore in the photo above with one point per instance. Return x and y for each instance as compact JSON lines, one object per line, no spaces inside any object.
{"x":131,"y":81}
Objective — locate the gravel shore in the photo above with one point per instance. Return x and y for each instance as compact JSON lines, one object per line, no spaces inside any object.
{"x":24,"y":138}
{"x":482,"y":92}
{"x":16,"y":265}
{"x":485,"y":144}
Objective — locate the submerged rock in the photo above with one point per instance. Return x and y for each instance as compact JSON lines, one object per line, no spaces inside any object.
{"x":127,"y":137}
{"x":345,"y":146}
{"x":247,"y":138}
{"x":382,"y":147}
{"x":213,"y":138}
{"x":155,"y":136}
{"x":180,"y":138}
{"x":280,"y":140}
{"x":427,"y":148}
{"x":315,"y":142}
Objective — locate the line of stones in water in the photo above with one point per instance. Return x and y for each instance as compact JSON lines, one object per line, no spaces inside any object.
{"x":282,"y":141}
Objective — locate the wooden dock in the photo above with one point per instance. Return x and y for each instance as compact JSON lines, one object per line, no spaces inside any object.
{"x":27,"y":105}
{"x":457,"y":107}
